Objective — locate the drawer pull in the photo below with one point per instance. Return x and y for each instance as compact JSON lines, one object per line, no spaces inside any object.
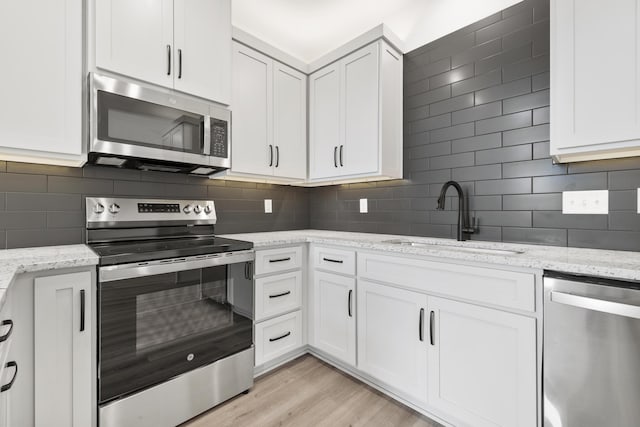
{"x":280,"y":259}
{"x":280,"y":337}
{"x":7,"y":387}
{"x":280,"y":295}
{"x":337,"y":261}
{"x":8,"y":334}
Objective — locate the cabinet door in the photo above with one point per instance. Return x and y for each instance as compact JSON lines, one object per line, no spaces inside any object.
{"x":290,"y":121}
{"x":392,"y":338}
{"x":135,"y":38}
{"x":359,"y":148}
{"x":592,"y":101}
{"x":334,"y":320}
{"x":62,"y":342}
{"x":41,"y":78}
{"x":324,"y":122}
{"x":482,"y":365}
{"x":203,"y":48}
{"x":252,"y":149}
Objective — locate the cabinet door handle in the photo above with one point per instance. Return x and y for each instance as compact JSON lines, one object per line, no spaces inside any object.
{"x":7,"y":387}
{"x":179,"y":63}
{"x":280,"y":337}
{"x":83,"y":303}
{"x":277,"y":156}
{"x":337,"y":261}
{"x":421,"y":325}
{"x":280,"y":259}
{"x":350,"y":295}
{"x":432,"y":325}
{"x":335,"y":156}
{"x":270,"y":155}
{"x":341,"y":150}
{"x":280,"y":295}
{"x":8,"y":334}
{"x":168,"y":60}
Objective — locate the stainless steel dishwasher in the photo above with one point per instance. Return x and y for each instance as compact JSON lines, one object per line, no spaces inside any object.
{"x":591,"y":353}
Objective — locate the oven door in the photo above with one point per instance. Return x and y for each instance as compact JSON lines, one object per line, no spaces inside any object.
{"x":161,"y":320}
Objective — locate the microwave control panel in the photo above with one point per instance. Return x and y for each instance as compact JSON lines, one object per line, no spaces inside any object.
{"x":219,"y":139}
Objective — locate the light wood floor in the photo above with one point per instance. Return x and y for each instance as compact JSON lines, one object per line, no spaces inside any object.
{"x":308,"y":392}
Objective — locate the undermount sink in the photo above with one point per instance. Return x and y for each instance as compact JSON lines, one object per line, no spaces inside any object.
{"x":454,"y":247}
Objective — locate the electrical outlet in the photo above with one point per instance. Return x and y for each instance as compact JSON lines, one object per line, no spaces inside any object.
{"x":364,"y":206}
{"x":585,"y":202}
{"x":268,"y":206}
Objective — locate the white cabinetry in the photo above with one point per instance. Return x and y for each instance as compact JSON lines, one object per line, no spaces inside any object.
{"x":8,"y":367}
{"x":269,"y":118}
{"x":179,"y":44}
{"x":63,"y":339}
{"x":392,"y":339}
{"x":595,"y":98}
{"x":356,"y":117}
{"x":482,"y":364}
{"x":41,"y":81}
{"x":279,"y":286}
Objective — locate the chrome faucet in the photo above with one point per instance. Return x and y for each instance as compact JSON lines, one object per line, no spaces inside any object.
{"x":463,"y":227}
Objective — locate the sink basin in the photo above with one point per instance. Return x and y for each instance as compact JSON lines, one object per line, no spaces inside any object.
{"x":454,"y":247}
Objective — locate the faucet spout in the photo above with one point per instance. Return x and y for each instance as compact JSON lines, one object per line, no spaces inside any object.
{"x":462,"y":214}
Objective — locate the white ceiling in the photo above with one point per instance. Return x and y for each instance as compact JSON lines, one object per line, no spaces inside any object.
{"x":308,"y":29}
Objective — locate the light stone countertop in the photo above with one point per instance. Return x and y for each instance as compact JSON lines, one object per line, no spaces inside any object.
{"x":16,"y":261}
{"x":592,"y":262}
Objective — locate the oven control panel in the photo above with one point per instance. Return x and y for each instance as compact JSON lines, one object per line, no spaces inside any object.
{"x":110,"y":211}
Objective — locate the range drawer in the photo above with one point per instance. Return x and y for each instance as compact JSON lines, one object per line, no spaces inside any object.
{"x":335,"y":260}
{"x":278,"y":294}
{"x":277,"y":260}
{"x":278,"y":336}
{"x":510,"y":289}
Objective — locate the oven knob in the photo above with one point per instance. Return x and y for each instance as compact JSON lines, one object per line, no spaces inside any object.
{"x":187,"y":209}
{"x":207,"y":209}
{"x":197,"y":209}
{"x":99,"y":208}
{"x":114,"y":208}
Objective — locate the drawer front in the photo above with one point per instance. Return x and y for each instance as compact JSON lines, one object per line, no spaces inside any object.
{"x":334,"y":260}
{"x":510,"y":289}
{"x":276,"y":260}
{"x":278,"y":294}
{"x":278,"y":336}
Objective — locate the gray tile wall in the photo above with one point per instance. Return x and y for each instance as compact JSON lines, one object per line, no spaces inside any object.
{"x":476,"y":110}
{"x":44,"y":205}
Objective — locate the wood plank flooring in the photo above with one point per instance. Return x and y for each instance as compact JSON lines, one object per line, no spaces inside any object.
{"x":309,"y":392}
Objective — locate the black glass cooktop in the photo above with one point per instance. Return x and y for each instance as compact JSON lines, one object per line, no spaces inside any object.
{"x":149,"y":250}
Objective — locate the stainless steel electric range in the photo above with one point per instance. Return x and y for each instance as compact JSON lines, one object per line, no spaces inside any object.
{"x":175,"y":305}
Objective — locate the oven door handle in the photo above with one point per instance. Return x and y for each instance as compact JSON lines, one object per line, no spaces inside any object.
{"x":112,"y":273}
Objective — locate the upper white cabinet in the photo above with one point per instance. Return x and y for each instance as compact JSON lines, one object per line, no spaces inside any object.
{"x":355,"y":117}
{"x":180,"y":44}
{"x":595,"y":79}
{"x":41,"y":81}
{"x":269,"y":118}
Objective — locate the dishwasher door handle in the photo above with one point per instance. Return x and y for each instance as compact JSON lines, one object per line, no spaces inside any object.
{"x":595,"y":304}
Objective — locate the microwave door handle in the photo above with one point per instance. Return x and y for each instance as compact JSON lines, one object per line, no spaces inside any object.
{"x":206,"y":143}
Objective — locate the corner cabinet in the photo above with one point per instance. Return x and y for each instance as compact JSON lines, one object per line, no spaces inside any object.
{"x":41,"y":85}
{"x":595,"y":98}
{"x":179,"y":44}
{"x":269,"y":102}
{"x":355,"y":117}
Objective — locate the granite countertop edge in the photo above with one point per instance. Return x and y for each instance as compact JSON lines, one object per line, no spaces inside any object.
{"x":622,"y":265}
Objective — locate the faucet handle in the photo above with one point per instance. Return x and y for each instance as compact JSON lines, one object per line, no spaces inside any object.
{"x":473,"y":227}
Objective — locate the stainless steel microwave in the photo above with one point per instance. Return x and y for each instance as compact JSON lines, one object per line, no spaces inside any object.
{"x":135,"y":127}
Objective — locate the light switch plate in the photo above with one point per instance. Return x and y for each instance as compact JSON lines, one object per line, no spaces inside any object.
{"x":364,"y":206}
{"x":268,"y":206}
{"x":585,"y":202}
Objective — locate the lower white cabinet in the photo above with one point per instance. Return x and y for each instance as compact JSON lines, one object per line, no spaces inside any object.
{"x":278,"y":336}
{"x":393,"y":338}
{"x":334,"y":321}
{"x":277,"y":294}
{"x":8,"y":370}
{"x":482,"y":365}
{"x":62,"y":339}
